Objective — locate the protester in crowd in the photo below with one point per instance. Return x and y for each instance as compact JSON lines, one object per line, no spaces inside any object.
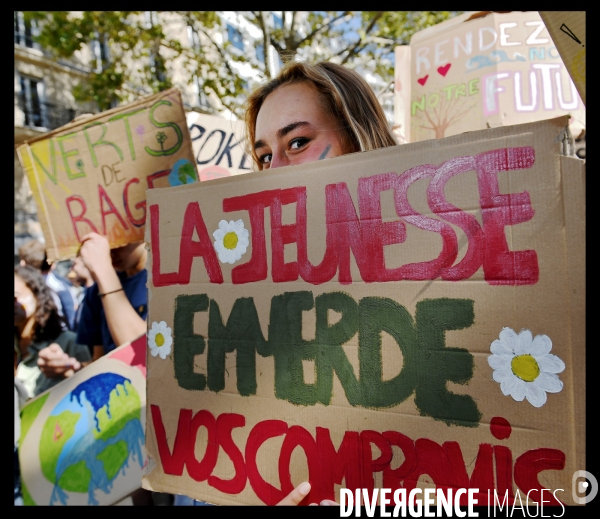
{"x":116,"y":305}
{"x":33,"y":253}
{"x":81,"y":280}
{"x":21,"y":396}
{"x":41,"y":329}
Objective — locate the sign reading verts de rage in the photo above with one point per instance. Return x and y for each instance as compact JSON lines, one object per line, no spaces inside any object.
{"x":370,"y":321}
{"x":92,"y":175}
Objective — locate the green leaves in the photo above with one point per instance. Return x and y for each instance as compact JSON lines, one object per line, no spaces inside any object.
{"x":130,"y":53}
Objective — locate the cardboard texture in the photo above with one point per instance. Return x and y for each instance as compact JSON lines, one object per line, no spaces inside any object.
{"x":83,"y":441}
{"x":93,"y":173}
{"x":218,"y":145}
{"x":487,"y":69}
{"x":567,"y":29}
{"x":411,"y":316}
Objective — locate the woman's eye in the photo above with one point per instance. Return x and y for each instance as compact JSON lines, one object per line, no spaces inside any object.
{"x":296,"y":144}
{"x":266,"y":158}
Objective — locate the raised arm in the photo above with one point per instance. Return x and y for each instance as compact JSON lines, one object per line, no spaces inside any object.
{"x":123,"y":321}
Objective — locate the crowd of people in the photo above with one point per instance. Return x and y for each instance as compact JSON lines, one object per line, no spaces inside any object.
{"x":307,"y":113}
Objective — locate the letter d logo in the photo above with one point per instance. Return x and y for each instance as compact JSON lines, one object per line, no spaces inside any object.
{"x":578,"y":487}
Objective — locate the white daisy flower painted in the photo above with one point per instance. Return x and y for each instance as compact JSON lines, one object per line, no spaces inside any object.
{"x":160,"y":340}
{"x":231,"y":241}
{"x":524,"y":366}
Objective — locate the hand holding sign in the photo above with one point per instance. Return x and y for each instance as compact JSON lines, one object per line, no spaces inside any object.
{"x":95,"y":252}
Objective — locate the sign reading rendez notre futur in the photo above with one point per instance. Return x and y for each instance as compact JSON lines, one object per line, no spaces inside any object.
{"x":370,"y":321}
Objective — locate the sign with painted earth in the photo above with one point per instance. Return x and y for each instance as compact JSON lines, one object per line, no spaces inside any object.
{"x":85,"y":443}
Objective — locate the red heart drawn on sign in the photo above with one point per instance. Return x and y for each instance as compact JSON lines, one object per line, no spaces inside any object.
{"x":444,"y":70}
{"x":423,"y":80}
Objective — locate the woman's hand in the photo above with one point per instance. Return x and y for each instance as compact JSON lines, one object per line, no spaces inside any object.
{"x":54,"y":362}
{"x":299,"y":493}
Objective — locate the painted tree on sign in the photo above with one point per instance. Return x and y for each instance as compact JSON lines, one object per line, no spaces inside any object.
{"x":444,"y":114}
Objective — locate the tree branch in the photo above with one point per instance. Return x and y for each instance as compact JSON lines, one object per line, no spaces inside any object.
{"x":224,"y":58}
{"x":318,"y":29}
{"x":354,"y":49}
{"x":383,"y":90}
{"x":266,"y":43}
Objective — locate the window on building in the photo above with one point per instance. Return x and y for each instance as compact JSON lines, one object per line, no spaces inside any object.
{"x":193,"y":38}
{"x":149,"y":17}
{"x":235,"y":37}
{"x":277,"y":21}
{"x":101,"y":51}
{"x":202,"y":98}
{"x":157,"y":65}
{"x":31,"y":101}
{"x":25,"y":30}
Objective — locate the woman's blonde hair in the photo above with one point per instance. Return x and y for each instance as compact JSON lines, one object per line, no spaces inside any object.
{"x":346,"y":96}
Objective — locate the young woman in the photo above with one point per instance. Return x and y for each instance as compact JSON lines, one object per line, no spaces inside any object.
{"x":37,"y":326}
{"x":308,"y":113}
{"x":313,"y":112}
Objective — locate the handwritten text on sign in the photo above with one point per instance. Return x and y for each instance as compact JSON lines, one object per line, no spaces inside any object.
{"x":367,"y":235}
{"x":346,"y":326}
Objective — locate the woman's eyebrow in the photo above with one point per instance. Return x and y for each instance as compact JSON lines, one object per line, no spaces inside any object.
{"x":282,"y":132}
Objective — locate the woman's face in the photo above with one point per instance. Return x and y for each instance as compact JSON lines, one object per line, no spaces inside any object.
{"x":293,"y":127}
{"x":25,"y":301}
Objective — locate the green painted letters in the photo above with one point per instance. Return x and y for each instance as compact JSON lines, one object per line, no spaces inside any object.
{"x":71,"y":153}
{"x":125,"y":116}
{"x":427,"y":364}
{"x":186,"y":343}
{"x":161,"y":137}
{"x":243,"y":335}
{"x":99,"y":142}
{"x":437,"y":364}
{"x":376,"y":315}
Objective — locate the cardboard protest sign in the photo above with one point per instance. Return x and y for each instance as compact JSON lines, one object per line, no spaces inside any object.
{"x":92,"y":174}
{"x":567,"y":29}
{"x":82,"y":442}
{"x":382,"y":319}
{"x":218,"y":145}
{"x":485,"y":70}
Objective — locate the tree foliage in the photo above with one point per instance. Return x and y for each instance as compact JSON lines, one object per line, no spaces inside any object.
{"x":140,"y":52}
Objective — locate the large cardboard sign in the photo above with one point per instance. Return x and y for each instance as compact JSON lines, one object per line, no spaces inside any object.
{"x":481,"y":70}
{"x":92,"y":174}
{"x":397,"y":318}
{"x":218,"y":145}
{"x":567,"y":29}
{"x":83,"y":442}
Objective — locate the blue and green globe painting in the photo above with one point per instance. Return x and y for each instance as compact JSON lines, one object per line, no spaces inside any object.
{"x":91,"y":436}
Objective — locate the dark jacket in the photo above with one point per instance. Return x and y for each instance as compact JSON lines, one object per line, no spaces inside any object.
{"x":67,"y":341}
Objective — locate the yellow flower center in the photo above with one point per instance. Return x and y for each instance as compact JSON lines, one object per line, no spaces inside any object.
{"x":159,"y":339}
{"x":230,"y":240}
{"x":525,"y":367}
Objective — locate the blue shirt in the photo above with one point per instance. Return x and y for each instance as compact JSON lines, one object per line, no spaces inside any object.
{"x":93,"y":329}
